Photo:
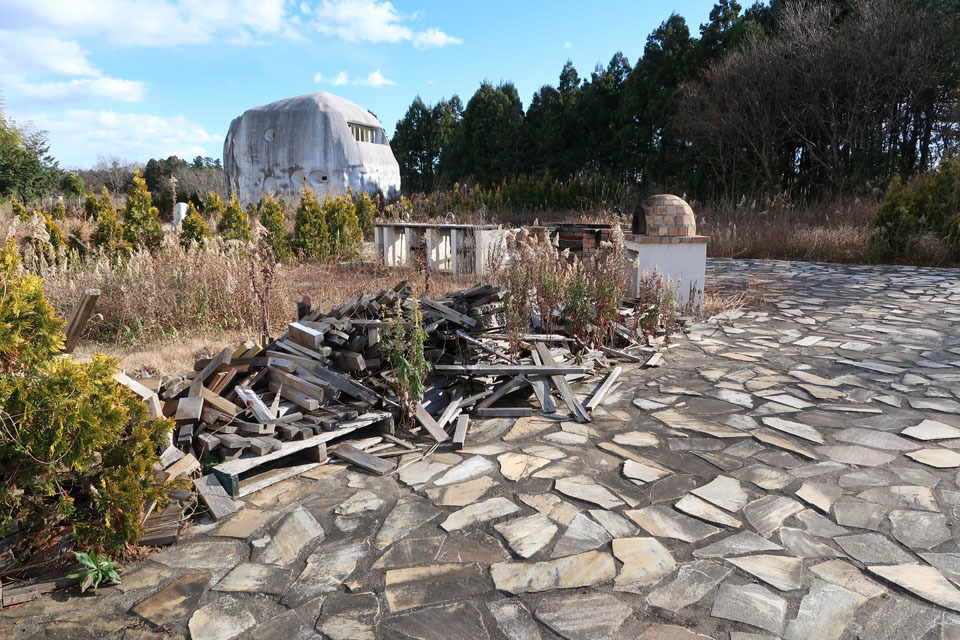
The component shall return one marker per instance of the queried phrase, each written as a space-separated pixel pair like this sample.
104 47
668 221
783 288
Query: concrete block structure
316 141
447 248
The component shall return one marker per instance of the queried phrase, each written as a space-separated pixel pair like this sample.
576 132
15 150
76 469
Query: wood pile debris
256 415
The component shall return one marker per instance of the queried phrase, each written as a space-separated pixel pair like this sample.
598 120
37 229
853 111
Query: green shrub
272 219
54 231
214 207
76 448
346 238
141 220
366 211
929 206
19 210
91 206
234 224
403 347
109 236
193 228
310 236
59 212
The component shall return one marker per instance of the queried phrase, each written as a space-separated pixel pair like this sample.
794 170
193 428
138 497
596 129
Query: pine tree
366 211
19 210
108 236
310 235
91 206
59 212
234 224
346 239
141 220
194 228
214 207
272 219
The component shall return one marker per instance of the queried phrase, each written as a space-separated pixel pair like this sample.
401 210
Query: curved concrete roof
326 102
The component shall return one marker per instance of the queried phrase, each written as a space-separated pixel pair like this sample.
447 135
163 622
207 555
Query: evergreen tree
310 236
272 219
366 211
234 224
194 228
90 205
343 228
214 207
141 220
109 235
59 211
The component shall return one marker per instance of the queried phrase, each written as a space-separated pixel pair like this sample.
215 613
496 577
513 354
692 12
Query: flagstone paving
790 470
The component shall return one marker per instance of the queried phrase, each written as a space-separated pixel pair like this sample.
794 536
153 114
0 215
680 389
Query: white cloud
22 53
100 88
375 79
77 137
374 21
434 38
342 78
318 78
568 45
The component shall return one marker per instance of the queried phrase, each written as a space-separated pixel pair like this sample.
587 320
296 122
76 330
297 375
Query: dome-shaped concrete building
317 141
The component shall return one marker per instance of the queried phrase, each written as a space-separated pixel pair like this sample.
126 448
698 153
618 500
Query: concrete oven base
681 259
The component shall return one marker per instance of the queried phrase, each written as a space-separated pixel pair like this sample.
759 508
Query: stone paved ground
789 472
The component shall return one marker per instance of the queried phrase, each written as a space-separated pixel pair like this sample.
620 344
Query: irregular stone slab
947 563
825 612
421 472
844 574
926 582
899 617
544 451
819 495
528 427
732 396
615 524
693 582
645 560
245 523
583 534
326 569
582 570
677 420
863 515
817 525
410 552
289 625
551 506
637 439
460 495
588 616
778 440
419 586
670 632
472 467
222 619
514 620
931 430
916 476
765 477
937 458
903 496
482 511
768 513
797 429
212 555
474 546
527 535
865 478
514 466
694 506
462 620
751 604
409 514
854 454
782 572
919 529
873 548
725 492
737 544
566 438
648 405
255 578
174 602
662 521
296 531
943 406
802 545
875 439
583 488
641 472
342 628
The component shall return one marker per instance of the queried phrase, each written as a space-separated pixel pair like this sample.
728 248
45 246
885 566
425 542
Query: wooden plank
189 410
79 318
460 434
623 355
541 388
504 412
562 386
263 480
229 472
451 411
213 495
547 369
504 389
297 398
484 347
182 467
345 384
253 402
602 389
447 312
425 419
298 384
222 358
654 360
219 403
364 460
206 442
306 336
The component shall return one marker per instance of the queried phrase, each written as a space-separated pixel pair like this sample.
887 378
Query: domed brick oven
664 237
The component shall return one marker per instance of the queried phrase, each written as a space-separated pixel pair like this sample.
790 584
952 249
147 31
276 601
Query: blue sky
137 79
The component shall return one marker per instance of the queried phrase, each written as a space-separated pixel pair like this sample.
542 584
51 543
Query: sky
141 79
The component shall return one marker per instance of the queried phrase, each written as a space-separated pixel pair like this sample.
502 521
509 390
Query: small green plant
214 207
343 228
141 220
234 224
403 345
272 219
96 569
194 228
366 210
311 238
59 211
109 234
19 210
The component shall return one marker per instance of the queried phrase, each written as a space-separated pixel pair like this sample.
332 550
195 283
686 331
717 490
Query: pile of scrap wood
258 415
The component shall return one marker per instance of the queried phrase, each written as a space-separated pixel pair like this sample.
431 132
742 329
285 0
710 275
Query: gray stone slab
902 496
751 604
662 521
873 548
825 612
645 561
255 578
898 617
326 569
693 582
862 515
408 515
588 616
802 545
295 532
815 524
768 513
724 492
926 582
735 545
514 620
583 534
527 535
583 488
781 572
222 619
482 511
462 620
919 529
433 584
875 439
581 570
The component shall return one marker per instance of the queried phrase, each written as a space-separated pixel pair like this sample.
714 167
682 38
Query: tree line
808 98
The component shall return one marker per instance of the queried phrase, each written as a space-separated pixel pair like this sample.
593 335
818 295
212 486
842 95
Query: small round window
298 178
270 185
268 135
318 178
